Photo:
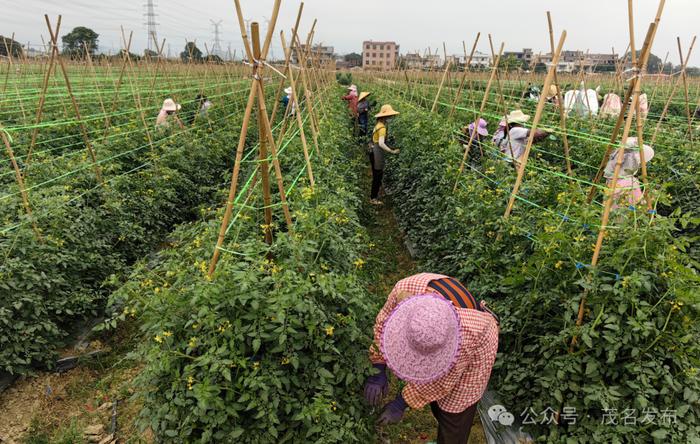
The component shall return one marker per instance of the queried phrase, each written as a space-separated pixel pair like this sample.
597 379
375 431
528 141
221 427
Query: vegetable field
216 278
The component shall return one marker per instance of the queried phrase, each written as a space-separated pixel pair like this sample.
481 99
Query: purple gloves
376 386
393 412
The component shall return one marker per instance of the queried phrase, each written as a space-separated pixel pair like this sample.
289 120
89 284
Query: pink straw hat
421 338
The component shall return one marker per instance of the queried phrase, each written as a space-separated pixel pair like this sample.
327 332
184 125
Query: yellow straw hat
553 91
387 111
363 95
516 116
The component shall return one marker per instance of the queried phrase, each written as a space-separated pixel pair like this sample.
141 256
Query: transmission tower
216 50
151 24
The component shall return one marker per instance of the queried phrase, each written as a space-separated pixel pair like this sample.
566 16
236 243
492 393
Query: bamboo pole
538 114
42 98
684 77
20 183
83 128
560 100
300 124
478 115
287 58
458 95
442 82
88 58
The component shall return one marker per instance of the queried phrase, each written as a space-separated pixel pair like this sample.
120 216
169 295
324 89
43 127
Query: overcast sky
595 25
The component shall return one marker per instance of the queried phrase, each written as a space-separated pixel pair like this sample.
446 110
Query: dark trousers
453 428
377 176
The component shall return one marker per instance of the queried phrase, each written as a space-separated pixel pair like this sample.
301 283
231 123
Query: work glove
376 386
393 412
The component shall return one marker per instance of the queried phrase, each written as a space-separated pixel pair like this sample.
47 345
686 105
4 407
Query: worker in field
476 149
612 105
553 95
287 100
201 108
168 114
363 107
351 97
377 150
511 138
442 342
628 190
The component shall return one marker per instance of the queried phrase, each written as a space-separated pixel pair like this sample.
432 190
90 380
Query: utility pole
216 50
151 24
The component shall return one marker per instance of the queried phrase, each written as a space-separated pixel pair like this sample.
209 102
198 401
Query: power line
216 50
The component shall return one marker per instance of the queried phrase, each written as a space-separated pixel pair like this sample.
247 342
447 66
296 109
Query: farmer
552 95
202 104
363 107
531 92
512 137
377 149
482 131
612 105
287 99
442 343
351 98
168 110
628 187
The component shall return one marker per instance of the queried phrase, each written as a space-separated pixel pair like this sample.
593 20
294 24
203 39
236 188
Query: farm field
179 272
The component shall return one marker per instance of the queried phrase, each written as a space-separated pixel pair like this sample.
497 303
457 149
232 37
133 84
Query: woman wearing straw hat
612 105
628 186
438 339
363 112
377 149
512 139
168 109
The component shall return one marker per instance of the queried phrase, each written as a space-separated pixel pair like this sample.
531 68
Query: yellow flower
158 339
329 330
550 228
558 265
371 245
193 342
156 290
167 334
359 263
256 365
190 381
285 360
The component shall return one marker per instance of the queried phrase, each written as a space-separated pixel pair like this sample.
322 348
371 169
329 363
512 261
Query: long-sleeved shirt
466 382
352 102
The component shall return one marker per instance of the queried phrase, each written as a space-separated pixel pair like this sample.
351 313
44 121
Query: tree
149 54
654 64
75 41
353 59
509 63
6 43
191 52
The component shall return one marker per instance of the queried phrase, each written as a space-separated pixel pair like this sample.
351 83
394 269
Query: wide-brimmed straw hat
387 111
516 116
170 105
553 91
363 95
288 90
633 144
481 129
421 338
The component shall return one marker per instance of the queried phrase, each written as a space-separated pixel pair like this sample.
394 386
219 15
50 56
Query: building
412 61
480 60
525 56
379 55
325 53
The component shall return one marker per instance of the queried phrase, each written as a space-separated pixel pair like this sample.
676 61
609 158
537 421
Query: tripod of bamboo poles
560 100
635 88
20 182
484 100
257 56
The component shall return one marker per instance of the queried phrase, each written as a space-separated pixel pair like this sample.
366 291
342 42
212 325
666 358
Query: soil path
393 262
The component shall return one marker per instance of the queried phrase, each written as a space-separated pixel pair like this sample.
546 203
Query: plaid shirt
464 385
